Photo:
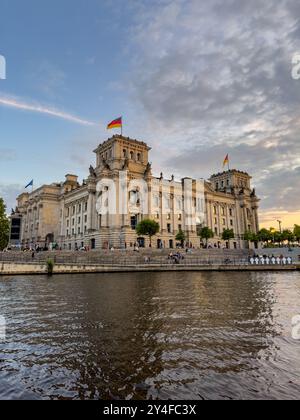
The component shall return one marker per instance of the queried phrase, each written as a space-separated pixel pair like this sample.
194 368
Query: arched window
124 153
131 155
139 157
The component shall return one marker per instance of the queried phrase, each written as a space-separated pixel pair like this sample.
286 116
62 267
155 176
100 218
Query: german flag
115 124
226 161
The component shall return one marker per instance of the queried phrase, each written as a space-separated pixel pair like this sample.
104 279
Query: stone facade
68 213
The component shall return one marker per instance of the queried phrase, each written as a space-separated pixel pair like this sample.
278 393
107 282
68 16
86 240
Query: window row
76 209
223 211
78 221
129 154
73 231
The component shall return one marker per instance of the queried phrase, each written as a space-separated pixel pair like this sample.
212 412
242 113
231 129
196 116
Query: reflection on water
154 336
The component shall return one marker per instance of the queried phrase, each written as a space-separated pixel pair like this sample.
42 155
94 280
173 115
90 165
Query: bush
50 266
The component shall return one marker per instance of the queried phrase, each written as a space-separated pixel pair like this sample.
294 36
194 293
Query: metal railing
120 260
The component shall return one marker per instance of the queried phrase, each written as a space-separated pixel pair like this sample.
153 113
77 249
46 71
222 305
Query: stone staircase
129 257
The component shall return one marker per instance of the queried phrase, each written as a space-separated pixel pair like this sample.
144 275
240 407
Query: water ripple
170 336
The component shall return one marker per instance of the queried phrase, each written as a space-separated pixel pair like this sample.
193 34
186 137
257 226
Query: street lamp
273 231
280 223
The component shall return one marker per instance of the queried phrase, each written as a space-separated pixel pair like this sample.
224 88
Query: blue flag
30 184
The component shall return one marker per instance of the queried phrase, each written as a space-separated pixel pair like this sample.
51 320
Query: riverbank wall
33 268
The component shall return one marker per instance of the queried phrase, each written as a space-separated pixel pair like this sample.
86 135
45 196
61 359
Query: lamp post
273 231
280 224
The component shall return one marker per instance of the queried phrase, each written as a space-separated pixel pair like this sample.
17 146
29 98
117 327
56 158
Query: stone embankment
14 263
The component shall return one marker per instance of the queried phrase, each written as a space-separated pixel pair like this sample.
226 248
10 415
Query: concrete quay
34 268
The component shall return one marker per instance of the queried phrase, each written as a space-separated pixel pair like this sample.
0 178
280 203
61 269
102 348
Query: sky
195 80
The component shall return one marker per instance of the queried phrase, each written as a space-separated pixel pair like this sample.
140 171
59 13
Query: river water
150 336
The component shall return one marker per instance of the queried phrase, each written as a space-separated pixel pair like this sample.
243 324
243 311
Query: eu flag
30 184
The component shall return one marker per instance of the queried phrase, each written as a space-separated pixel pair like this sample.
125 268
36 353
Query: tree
4 226
180 237
148 227
264 235
287 235
297 232
228 234
250 237
206 233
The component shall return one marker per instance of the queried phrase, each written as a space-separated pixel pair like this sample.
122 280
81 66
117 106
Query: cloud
214 78
21 105
48 79
7 154
9 192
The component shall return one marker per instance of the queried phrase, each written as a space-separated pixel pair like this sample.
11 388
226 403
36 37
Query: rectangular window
156 201
169 228
133 222
179 204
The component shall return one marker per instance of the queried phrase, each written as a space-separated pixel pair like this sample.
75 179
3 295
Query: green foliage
4 226
147 227
287 235
265 235
297 232
228 234
50 266
181 237
206 233
250 236
273 236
